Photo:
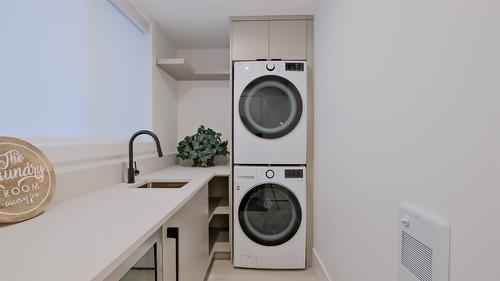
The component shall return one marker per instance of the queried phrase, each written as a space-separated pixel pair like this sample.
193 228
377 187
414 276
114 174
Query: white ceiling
199 24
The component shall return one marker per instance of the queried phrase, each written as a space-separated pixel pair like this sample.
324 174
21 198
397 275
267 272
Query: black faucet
132 171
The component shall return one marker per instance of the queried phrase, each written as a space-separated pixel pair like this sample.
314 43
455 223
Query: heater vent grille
416 257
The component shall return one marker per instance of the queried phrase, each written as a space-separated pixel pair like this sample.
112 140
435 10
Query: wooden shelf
218 206
181 70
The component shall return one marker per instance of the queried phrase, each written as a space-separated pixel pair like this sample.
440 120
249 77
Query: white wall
407 109
164 93
207 60
205 103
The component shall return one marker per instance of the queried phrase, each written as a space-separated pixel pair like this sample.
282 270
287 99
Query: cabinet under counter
84 239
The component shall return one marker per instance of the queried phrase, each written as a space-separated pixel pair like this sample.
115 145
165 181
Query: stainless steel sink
167 184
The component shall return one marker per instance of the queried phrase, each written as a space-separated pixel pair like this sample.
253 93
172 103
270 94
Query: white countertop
87 237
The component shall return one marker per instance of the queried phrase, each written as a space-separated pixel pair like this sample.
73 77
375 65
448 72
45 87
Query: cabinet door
192 222
250 40
288 39
141 265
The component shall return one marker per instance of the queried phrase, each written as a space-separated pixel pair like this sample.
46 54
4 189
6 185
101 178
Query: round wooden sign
27 180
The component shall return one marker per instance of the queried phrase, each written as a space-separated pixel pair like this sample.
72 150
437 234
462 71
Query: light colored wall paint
72 183
164 93
207 60
204 24
203 103
407 109
319 268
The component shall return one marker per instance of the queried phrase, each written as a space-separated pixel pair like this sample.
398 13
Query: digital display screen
294 66
294 174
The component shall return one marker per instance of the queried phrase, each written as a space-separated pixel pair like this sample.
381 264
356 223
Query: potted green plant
202 147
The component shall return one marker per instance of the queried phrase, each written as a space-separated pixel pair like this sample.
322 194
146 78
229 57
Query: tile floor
222 270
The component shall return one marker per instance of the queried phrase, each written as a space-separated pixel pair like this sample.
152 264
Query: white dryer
269 218
270 112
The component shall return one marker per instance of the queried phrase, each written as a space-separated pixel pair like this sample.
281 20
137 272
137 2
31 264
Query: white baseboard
319 268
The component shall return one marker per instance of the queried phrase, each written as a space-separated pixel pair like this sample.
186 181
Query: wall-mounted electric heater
425 245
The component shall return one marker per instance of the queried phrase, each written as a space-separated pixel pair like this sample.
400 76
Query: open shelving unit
219 239
219 218
181 70
218 206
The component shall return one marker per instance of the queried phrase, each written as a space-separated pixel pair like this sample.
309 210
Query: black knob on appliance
270 174
270 66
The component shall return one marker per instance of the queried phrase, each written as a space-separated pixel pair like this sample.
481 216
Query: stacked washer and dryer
269 145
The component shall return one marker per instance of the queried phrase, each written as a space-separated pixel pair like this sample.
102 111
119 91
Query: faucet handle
136 172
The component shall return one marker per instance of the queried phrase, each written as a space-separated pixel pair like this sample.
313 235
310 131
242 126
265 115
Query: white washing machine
269 218
270 112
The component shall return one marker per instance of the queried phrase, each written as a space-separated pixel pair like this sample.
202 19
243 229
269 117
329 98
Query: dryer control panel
266 173
294 173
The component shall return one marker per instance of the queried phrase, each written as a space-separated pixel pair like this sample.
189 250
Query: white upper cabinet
288 39
269 39
250 40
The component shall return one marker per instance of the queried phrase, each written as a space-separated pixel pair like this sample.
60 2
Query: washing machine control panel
274 173
294 66
294 174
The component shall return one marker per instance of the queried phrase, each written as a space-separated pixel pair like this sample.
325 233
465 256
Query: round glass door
269 214
270 106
